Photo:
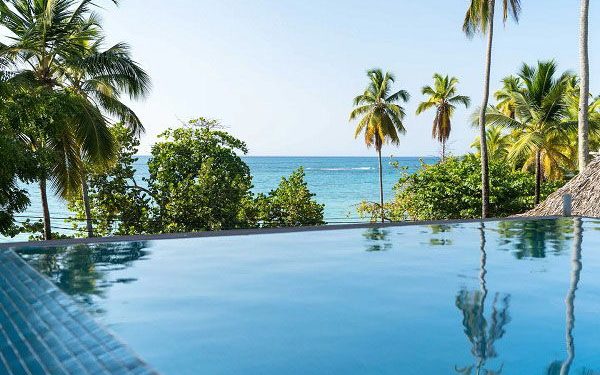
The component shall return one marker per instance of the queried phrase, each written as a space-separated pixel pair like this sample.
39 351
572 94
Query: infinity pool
516 297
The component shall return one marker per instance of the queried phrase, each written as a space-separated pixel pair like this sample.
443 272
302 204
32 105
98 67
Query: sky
281 74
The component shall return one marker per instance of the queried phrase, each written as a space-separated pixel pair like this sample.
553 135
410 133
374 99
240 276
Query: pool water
510 297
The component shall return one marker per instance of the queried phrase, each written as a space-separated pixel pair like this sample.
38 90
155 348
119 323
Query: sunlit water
516 297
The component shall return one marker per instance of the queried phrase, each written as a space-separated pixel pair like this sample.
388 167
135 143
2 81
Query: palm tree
540 130
443 97
47 38
583 127
100 78
480 18
506 103
381 118
498 143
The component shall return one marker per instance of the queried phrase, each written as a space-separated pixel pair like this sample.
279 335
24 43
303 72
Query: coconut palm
480 18
498 143
506 103
380 116
540 130
101 77
583 126
443 97
47 38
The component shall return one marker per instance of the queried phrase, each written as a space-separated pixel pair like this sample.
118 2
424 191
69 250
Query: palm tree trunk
576 266
485 177
538 176
584 87
381 186
443 150
45 209
86 207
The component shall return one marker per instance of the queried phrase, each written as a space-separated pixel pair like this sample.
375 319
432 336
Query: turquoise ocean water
338 182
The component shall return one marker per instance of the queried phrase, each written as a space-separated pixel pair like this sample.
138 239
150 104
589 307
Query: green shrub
452 190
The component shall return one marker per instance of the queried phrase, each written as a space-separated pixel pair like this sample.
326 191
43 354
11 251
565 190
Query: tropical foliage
54 51
119 205
450 190
540 123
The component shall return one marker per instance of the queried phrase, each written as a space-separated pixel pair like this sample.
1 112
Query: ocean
340 183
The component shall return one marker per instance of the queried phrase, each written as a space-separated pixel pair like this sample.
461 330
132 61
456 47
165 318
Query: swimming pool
521 297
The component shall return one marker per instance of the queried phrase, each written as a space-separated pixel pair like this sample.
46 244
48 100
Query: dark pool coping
259 231
44 331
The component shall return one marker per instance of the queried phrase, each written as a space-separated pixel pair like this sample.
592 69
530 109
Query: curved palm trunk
485 177
570 300
538 176
381 186
584 87
45 209
86 207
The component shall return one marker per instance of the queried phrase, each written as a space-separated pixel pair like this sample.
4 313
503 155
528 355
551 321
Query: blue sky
281 74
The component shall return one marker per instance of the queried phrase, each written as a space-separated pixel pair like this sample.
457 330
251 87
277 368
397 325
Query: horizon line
331 156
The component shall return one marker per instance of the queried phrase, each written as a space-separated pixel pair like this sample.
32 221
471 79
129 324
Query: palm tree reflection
81 271
481 333
558 367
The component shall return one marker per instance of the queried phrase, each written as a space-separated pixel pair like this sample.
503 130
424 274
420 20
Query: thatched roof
585 191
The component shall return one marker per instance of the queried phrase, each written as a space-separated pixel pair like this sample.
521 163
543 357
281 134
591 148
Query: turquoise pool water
516 297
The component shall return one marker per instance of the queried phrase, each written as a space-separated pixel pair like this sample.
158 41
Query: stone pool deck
43 331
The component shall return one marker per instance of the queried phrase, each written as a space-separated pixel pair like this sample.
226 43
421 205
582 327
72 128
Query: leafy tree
442 96
450 190
119 205
381 118
291 204
480 18
197 180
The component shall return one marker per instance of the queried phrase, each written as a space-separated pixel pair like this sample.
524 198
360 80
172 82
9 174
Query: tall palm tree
46 37
101 77
380 116
583 127
443 97
480 18
541 133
